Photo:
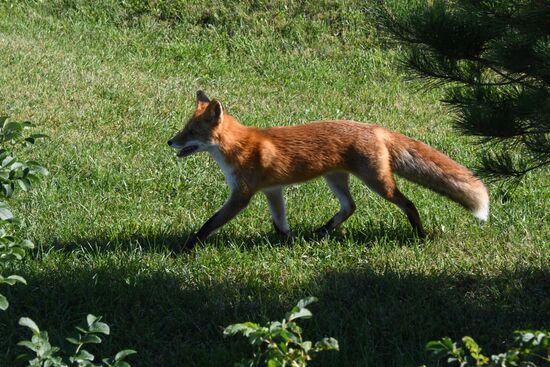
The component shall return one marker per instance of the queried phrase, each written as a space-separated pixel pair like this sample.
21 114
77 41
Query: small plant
14 174
529 349
46 355
280 343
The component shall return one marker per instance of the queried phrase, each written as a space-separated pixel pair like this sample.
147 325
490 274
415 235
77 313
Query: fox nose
170 142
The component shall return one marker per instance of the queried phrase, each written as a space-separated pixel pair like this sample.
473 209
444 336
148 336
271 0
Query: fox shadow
177 319
172 242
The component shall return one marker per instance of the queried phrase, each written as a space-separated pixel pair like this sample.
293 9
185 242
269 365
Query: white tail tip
482 213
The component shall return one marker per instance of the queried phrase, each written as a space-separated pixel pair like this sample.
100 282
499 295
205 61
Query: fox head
199 133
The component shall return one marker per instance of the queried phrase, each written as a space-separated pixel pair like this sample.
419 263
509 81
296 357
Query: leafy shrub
14 174
280 343
46 355
528 349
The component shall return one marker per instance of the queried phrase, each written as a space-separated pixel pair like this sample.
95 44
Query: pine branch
496 57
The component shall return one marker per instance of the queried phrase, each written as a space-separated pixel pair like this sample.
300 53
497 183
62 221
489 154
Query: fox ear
202 97
214 111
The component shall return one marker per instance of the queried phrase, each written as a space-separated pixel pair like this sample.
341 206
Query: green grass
111 83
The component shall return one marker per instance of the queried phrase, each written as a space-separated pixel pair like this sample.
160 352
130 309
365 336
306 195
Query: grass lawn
111 81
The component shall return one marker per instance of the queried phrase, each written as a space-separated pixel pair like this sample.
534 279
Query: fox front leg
233 206
276 203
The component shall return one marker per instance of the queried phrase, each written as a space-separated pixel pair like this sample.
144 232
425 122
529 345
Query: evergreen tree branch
496 57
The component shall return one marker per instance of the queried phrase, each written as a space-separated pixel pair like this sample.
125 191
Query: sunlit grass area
110 82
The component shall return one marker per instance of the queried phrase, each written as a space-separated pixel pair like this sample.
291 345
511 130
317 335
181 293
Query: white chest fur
226 168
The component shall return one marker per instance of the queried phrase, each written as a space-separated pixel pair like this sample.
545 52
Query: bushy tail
428 167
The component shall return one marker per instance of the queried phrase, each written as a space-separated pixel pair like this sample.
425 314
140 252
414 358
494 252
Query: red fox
266 160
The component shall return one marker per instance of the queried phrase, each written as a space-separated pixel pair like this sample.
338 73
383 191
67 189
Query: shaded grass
111 83
173 310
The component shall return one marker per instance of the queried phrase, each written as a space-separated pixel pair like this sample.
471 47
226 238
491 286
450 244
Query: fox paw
188 245
322 231
287 235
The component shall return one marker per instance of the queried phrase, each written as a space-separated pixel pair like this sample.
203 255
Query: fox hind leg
385 187
410 210
276 203
339 185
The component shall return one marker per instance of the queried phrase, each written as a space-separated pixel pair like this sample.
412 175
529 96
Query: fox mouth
187 151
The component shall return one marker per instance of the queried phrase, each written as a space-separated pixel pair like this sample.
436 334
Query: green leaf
124 353
24 184
25 321
27 344
8 161
282 334
244 328
303 313
5 213
90 339
4 304
526 337
7 190
100 327
294 327
14 167
17 279
83 355
306 301
73 341
257 337
12 279
12 130
275 326
327 344
475 350
90 319
36 167
27 244
3 121
4 173
306 346
445 344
